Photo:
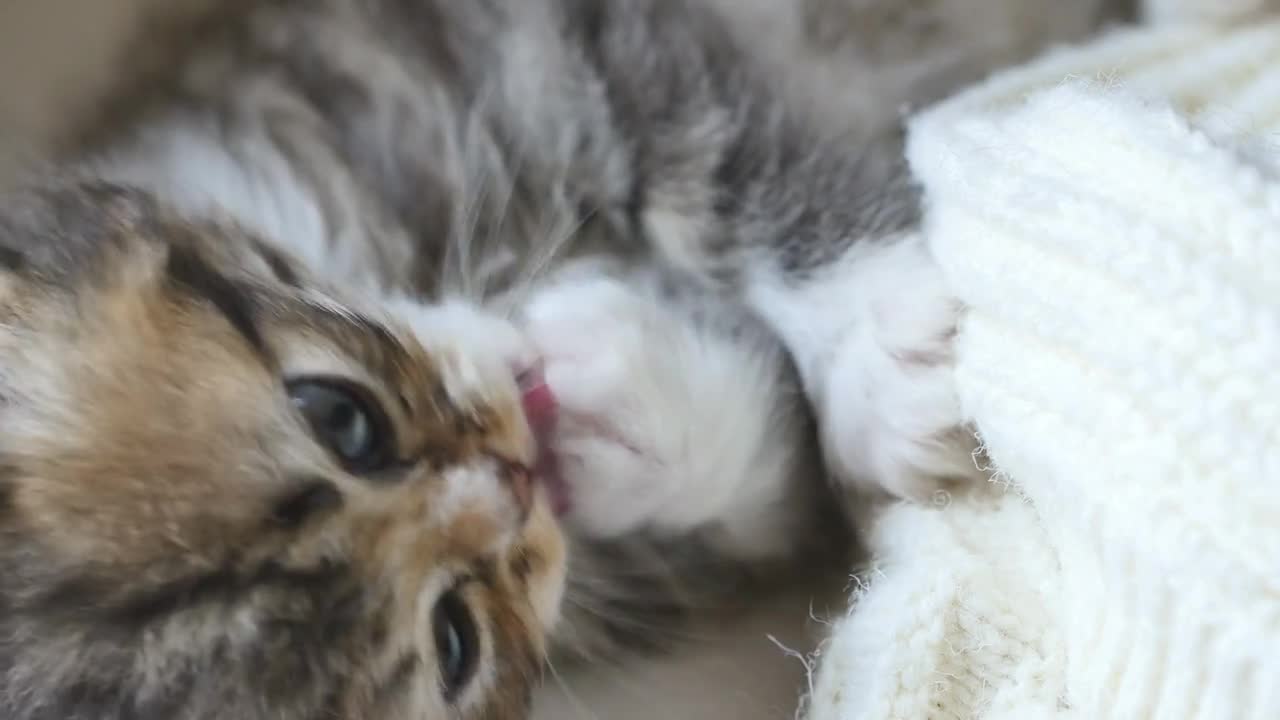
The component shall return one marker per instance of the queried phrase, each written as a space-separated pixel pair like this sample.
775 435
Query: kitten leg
814 232
828 253
870 329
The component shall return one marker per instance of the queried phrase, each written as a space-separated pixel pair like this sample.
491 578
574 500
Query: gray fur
439 134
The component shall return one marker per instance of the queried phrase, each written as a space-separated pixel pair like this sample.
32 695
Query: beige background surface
55 52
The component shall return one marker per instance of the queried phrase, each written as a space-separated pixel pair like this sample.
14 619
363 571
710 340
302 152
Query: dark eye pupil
451 651
350 430
340 421
456 640
340 416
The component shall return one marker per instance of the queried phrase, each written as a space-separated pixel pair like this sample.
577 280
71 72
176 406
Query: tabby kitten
327 279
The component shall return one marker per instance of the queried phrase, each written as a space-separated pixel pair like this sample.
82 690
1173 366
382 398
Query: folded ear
60 229
71 267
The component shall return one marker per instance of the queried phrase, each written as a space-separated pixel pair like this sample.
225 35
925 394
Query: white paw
890 418
889 412
872 336
665 426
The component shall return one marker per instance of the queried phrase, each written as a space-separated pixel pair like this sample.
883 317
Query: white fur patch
479 352
474 487
664 426
243 176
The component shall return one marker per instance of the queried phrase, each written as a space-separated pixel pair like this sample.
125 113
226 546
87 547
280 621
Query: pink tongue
542 409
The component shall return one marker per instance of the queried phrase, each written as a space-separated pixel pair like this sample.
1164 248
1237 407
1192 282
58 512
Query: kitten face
224 493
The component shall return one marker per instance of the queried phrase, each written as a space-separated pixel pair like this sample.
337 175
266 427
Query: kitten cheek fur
173 541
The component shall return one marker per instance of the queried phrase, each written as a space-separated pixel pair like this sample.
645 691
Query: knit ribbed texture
1111 215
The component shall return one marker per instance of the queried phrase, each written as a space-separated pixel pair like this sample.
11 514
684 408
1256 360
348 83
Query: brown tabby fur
174 543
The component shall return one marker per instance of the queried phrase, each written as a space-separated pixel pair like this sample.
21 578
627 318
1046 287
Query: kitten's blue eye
345 421
457 643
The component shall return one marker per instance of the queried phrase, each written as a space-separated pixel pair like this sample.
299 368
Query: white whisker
526 282
579 707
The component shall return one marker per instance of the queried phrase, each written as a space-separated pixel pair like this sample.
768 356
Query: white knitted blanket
1111 215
